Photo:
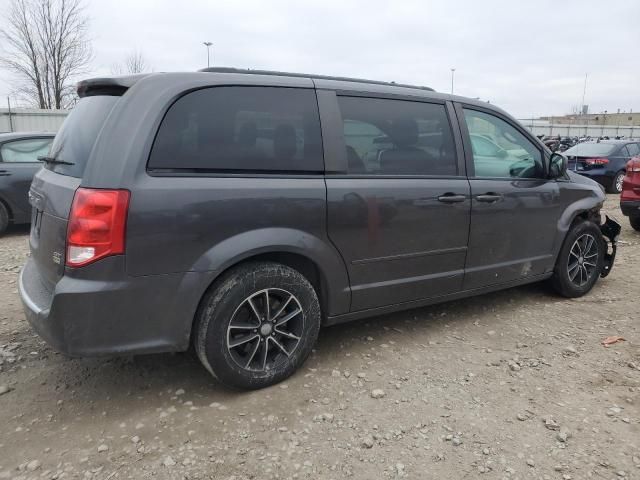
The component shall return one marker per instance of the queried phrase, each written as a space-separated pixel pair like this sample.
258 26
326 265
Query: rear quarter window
235 129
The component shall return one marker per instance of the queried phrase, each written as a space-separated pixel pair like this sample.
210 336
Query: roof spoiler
113 86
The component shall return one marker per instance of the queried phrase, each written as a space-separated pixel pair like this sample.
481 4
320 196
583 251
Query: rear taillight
633 165
97 225
596 161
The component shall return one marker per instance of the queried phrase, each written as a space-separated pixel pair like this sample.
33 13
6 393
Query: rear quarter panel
207 224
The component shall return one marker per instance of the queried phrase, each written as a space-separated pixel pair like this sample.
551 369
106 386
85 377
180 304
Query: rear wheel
4 219
580 261
257 325
635 222
616 183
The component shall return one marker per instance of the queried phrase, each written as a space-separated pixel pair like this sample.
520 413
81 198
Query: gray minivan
238 211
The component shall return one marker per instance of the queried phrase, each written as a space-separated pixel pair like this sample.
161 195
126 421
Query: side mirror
557 165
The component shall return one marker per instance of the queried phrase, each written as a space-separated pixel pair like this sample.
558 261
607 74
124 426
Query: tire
4 219
235 304
635 223
616 183
588 267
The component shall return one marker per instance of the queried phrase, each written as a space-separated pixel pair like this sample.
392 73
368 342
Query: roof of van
312 76
119 84
225 75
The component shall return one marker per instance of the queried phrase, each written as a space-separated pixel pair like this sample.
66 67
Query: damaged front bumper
611 230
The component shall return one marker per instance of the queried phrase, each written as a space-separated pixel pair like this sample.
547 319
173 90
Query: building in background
623 119
31 120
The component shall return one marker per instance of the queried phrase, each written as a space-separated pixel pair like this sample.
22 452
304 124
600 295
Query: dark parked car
604 161
239 211
630 198
19 154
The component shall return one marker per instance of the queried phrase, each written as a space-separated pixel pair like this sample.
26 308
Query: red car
630 198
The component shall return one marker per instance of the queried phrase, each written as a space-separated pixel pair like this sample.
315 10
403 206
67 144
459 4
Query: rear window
591 149
230 129
75 139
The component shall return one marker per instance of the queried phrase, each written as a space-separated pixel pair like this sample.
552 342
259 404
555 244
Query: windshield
591 150
75 139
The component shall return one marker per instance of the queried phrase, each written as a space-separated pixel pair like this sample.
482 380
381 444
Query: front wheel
257 325
580 261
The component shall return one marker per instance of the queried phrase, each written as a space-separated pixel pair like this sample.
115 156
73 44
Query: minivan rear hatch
54 186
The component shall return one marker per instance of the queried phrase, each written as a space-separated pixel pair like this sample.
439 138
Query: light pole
453 70
208 45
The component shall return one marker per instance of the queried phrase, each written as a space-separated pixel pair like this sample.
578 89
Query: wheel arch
313 257
585 209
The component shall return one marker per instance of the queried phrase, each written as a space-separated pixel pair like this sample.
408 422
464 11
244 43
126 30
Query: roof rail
307 75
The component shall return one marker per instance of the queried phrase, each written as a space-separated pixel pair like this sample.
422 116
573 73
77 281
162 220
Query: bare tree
45 44
134 63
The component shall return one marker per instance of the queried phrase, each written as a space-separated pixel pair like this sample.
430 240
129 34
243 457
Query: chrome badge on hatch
57 258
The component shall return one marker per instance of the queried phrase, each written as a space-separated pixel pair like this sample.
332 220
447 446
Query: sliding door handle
451 198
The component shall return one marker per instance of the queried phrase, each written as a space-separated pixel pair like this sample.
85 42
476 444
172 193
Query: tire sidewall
561 275
4 219
223 302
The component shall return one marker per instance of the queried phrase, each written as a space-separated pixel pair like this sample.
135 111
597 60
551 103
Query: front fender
588 205
251 243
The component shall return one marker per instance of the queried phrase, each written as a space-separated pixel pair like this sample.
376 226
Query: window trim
340 142
225 173
466 138
7 142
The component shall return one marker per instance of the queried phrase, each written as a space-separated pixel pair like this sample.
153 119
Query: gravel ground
511 385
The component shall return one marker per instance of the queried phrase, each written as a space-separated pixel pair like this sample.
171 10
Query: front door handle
451 198
489 197
4 173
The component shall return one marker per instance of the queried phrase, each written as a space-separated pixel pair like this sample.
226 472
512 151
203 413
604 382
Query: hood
582 180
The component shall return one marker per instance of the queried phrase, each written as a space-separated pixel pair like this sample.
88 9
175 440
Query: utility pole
584 93
453 70
208 45
10 118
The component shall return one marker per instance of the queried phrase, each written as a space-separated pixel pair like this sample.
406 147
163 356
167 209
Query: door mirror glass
557 165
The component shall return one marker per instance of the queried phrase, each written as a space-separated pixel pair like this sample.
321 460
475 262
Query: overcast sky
528 57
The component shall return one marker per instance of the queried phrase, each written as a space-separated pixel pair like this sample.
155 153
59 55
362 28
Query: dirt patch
514 384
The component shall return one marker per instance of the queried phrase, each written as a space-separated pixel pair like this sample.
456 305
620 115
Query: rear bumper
630 208
95 316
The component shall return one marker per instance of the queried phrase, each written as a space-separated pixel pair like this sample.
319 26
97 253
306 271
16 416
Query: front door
515 209
18 164
399 214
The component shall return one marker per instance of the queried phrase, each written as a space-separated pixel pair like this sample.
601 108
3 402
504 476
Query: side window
623 152
261 129
500 150
25 151
634 149
397 137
